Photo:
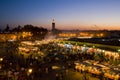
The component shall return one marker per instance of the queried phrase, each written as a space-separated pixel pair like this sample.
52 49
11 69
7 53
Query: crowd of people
17 66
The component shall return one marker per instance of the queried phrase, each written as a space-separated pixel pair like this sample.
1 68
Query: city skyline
68 14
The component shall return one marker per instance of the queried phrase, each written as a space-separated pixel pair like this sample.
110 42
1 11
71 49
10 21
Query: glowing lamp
1 59
30 70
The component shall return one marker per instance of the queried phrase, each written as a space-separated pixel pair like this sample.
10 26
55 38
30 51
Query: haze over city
68 14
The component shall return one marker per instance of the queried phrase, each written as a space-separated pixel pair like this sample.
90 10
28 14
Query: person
57 77
46 70
61 76
10 76
84 76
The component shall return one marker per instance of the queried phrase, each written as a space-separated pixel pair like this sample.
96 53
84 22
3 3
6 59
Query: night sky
68 14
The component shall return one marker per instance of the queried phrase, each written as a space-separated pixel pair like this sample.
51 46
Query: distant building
54 31
7 36
74 33
53 25
15 36
81 34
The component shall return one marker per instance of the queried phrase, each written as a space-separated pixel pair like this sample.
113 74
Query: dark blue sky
68 14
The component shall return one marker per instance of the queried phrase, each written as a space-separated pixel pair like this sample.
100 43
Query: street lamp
84 45
118 50
30 70
29 73
1 59
103 51
93 46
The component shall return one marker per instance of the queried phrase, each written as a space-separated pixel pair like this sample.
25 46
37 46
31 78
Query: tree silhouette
19 28
16 29
7 28
37 32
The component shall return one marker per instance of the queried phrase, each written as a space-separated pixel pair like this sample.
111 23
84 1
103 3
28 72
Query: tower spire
53 20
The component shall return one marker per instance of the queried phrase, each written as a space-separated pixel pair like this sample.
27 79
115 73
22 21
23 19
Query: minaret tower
53 25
